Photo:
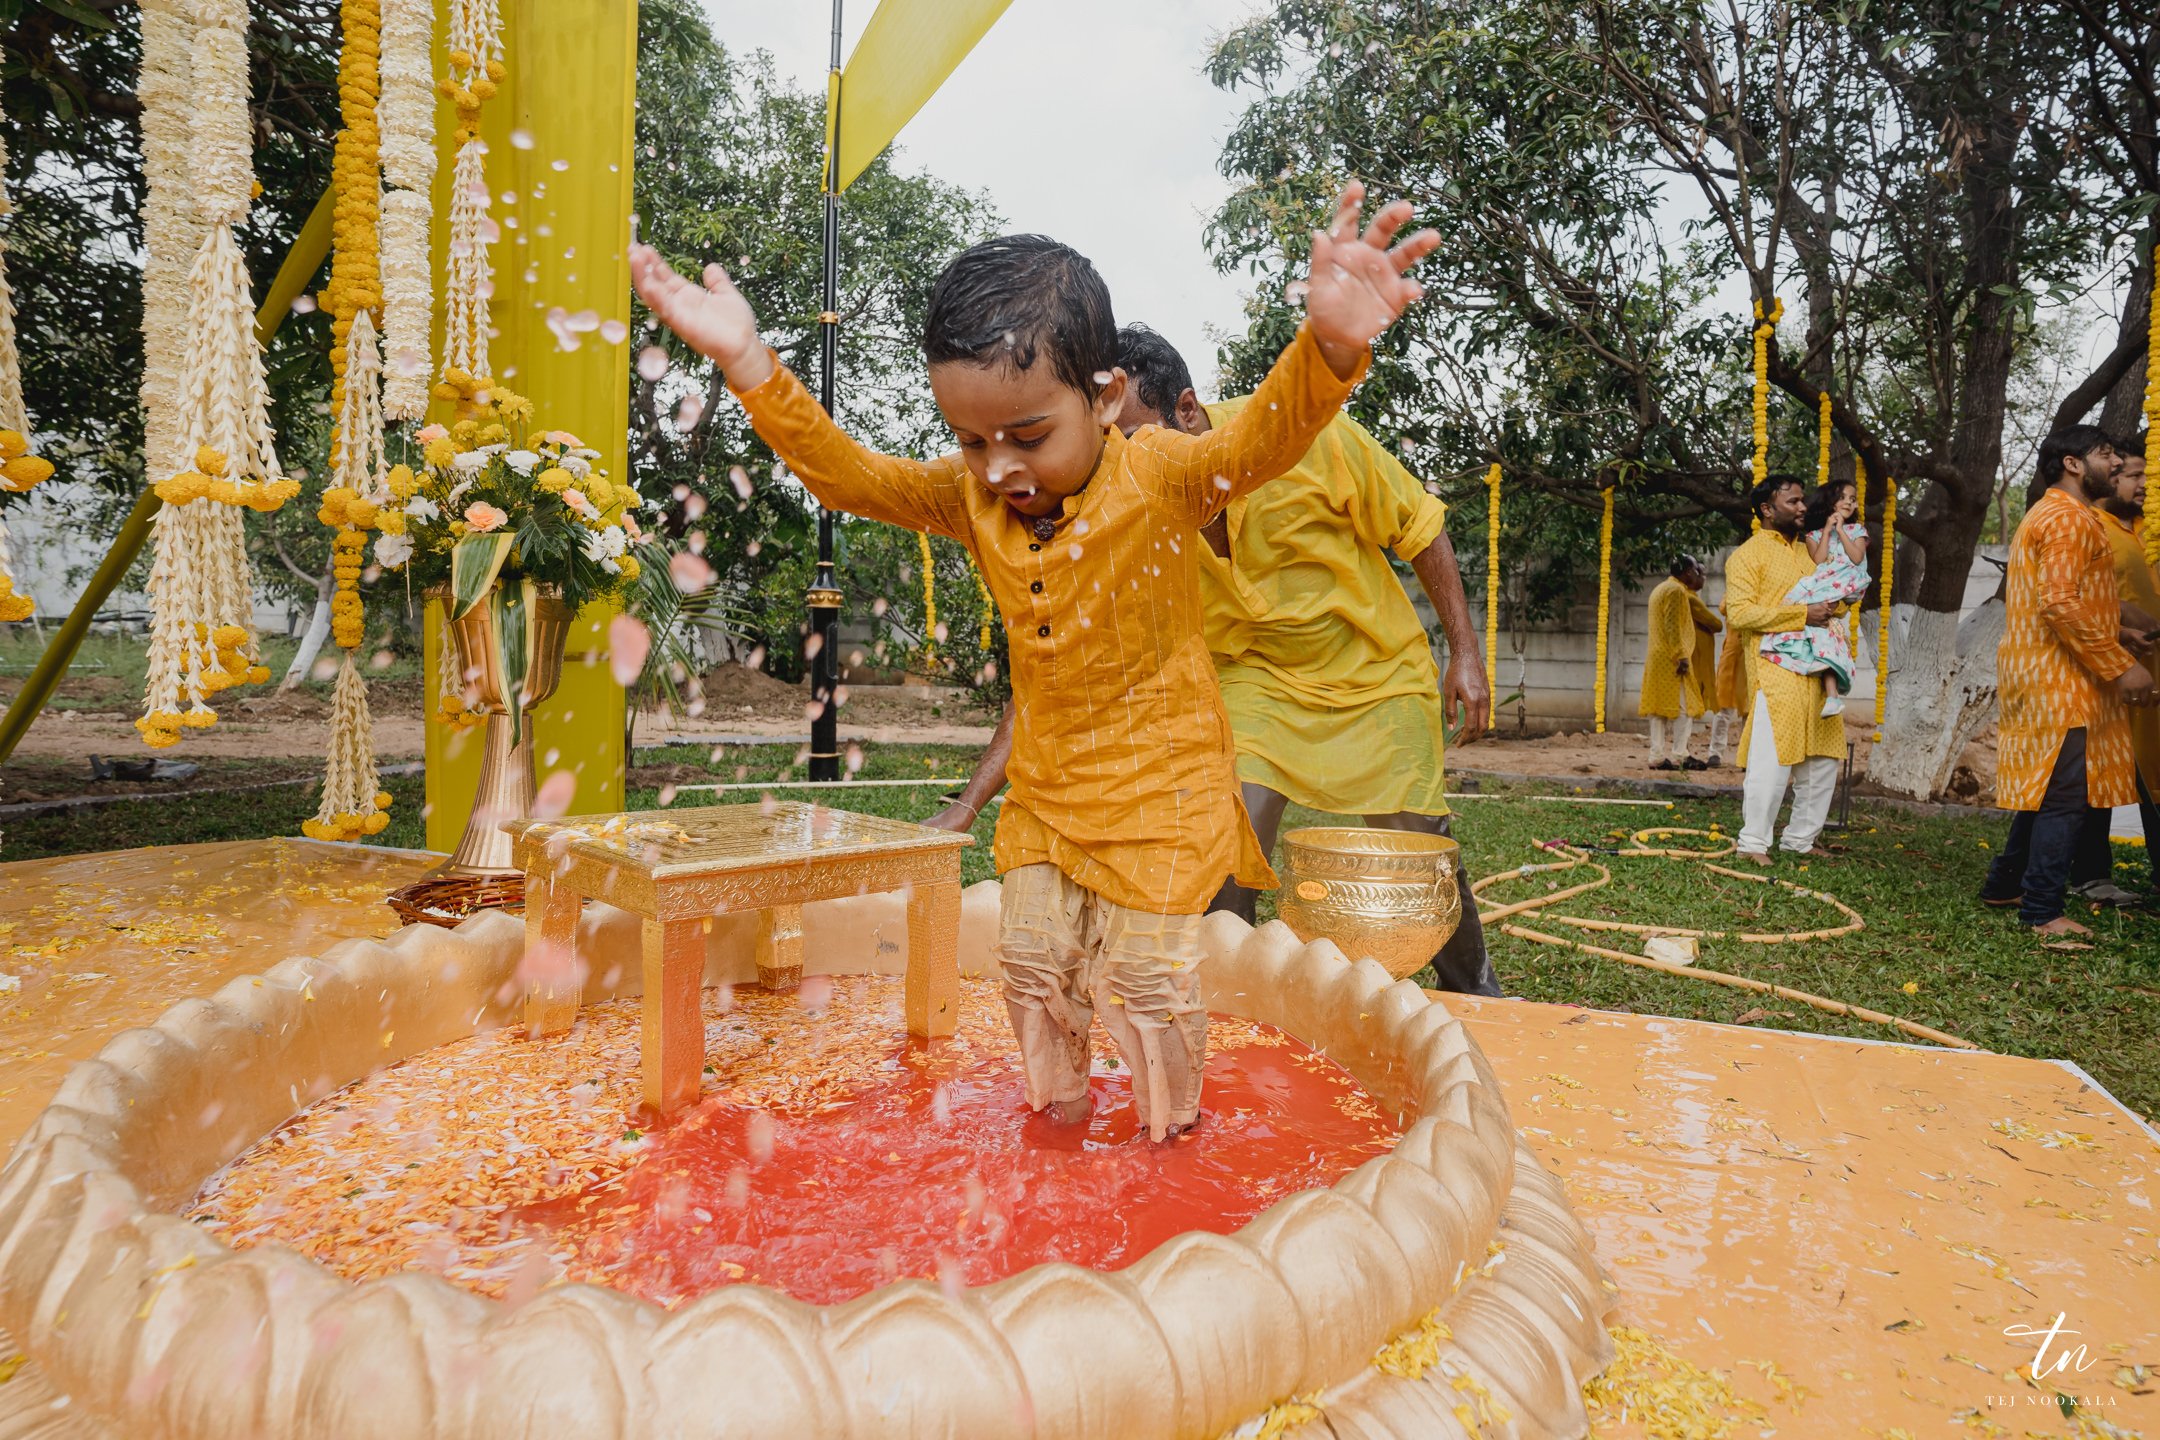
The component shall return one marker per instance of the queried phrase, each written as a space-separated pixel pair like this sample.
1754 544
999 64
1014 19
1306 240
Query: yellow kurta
1701 689
2137 583
1672 640
1758 577
1121 767
1326 672
2058 657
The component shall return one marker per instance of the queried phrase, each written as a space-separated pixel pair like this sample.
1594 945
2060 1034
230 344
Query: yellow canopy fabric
906 52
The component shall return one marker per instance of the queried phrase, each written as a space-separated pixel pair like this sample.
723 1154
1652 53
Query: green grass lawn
1912 879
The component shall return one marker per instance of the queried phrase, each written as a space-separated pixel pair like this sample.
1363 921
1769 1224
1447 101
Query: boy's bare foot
1755 855
2060 926
1174 1131
1070 1112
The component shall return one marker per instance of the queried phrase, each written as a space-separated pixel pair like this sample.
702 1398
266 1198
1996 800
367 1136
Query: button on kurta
1042 630
1036 587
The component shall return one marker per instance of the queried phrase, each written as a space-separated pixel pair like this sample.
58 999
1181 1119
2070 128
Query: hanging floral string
406 122
2152 420
929 600
172 227
1882 604
1492 595
1859 475
476 70
352 803
19 469
1604 602
201 589
989 609
1765 327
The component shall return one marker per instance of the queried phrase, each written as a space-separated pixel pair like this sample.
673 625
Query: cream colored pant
1063 947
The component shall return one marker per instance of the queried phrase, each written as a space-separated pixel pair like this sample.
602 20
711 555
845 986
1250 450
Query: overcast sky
1091 123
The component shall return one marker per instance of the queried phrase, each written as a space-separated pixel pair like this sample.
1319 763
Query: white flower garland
476 68
172 231
202 639
406 115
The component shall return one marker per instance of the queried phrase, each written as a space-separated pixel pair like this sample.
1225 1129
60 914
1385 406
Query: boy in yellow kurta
1705 669
1786 735
1326 671
1123 817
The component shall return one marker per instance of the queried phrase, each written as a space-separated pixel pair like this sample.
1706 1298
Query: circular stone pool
1431 1290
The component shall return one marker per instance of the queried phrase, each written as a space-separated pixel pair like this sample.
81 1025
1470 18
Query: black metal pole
824 596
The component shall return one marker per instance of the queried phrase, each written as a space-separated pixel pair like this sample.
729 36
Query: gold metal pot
1390 894
505 791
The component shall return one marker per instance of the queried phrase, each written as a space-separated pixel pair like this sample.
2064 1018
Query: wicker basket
450 900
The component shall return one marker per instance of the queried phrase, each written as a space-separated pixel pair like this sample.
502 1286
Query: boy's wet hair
1019 298
1155 369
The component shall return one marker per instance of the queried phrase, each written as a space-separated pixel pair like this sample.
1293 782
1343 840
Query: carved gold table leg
551 920
674 1030
933 959
779 947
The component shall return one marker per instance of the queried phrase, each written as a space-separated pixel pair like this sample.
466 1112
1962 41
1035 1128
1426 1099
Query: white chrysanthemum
392 551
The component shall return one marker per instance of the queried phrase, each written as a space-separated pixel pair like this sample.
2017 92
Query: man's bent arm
988 779
1464 683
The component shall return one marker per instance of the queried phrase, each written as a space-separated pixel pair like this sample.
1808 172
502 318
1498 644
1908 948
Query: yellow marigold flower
403 482
12 443
258 674
209 460
514 407
494 435
555 480
440 453
384 800
199 719
16 607
630 568
598 490
375 824
24 471
228 637
390 522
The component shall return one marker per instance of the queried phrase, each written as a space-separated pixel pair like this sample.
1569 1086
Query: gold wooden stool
676 869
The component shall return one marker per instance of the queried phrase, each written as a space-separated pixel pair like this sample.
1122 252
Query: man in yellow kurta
1124 817
1326 671
2062 677
2137 585
1786 736
1675 669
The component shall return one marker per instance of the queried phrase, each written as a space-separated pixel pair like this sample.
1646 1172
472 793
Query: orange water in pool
827 1156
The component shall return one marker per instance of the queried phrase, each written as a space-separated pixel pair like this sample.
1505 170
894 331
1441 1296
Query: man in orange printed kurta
2063 678
1124 817
2137 585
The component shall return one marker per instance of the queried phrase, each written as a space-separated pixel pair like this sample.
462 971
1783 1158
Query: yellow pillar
558 165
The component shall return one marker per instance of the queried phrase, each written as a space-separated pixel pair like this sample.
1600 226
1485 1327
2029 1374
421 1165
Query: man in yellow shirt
2123 517
1675 668
1786 736
1325 669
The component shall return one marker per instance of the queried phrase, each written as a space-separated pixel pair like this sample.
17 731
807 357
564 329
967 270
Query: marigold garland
989 609
476 70
202 592
1859 475
350 505
19 469
1604 602
1765 327
2152 421
1492 594
1882 609
929 600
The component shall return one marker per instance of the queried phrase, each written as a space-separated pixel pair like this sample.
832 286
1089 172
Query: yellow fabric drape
908 50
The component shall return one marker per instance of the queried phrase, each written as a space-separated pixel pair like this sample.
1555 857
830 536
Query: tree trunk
1942 692
311 643
2122 413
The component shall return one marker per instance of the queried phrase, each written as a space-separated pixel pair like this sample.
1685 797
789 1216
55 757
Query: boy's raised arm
1357 287
717 322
